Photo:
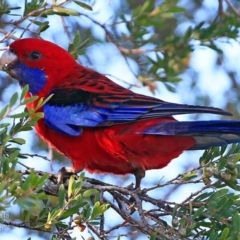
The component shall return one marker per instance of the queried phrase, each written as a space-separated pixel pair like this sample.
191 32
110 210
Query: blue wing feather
88 109
70 119
206 133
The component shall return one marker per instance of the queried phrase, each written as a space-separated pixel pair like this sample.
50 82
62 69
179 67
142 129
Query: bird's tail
206 133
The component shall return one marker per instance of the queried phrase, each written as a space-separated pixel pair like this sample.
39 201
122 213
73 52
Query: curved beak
6 59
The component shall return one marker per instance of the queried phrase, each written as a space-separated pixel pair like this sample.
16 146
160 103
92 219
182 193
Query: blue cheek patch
35 78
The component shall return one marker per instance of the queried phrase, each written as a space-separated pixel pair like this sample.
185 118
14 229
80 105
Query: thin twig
235 10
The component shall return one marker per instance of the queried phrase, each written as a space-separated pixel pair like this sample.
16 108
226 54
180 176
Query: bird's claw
63 173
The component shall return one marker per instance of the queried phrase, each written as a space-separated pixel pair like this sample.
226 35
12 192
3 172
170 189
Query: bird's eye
11 50
35 55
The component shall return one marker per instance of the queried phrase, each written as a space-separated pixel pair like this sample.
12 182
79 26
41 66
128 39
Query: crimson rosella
101 126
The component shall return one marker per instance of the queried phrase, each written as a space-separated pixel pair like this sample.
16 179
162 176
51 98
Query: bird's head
40 64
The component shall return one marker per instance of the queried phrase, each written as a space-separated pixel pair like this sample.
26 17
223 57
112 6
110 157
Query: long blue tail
206 133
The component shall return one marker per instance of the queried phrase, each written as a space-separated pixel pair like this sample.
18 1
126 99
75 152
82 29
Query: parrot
101 126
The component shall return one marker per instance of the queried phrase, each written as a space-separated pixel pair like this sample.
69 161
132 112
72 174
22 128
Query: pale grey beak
6 58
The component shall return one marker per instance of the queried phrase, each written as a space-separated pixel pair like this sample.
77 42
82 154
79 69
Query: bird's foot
64 173
130 187
139 174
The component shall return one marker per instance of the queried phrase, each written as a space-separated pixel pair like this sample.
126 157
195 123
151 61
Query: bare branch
235 10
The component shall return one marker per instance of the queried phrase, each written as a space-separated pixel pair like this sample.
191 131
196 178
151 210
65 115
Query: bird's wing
93 100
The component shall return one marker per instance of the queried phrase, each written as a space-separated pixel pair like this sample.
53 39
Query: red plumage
117 149
112 147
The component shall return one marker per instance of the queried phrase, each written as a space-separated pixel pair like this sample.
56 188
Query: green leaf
18 115
25 203
222 163
44 26
73 210
3 111
234 149
37 116
86 211
153 236
233 185
4 125
98 209
5 140
218 194
175 210
18 141
66 11
190 228
223 149
13 99
61 196
189 175
77 47
24 92
42 101
175 9
198 212
77 39
56 213
224 234
70 186
213 235
33 5
88 193
45 210
95 222
29 100
83 5
26 128
236 222
29 182
236 158
11 159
